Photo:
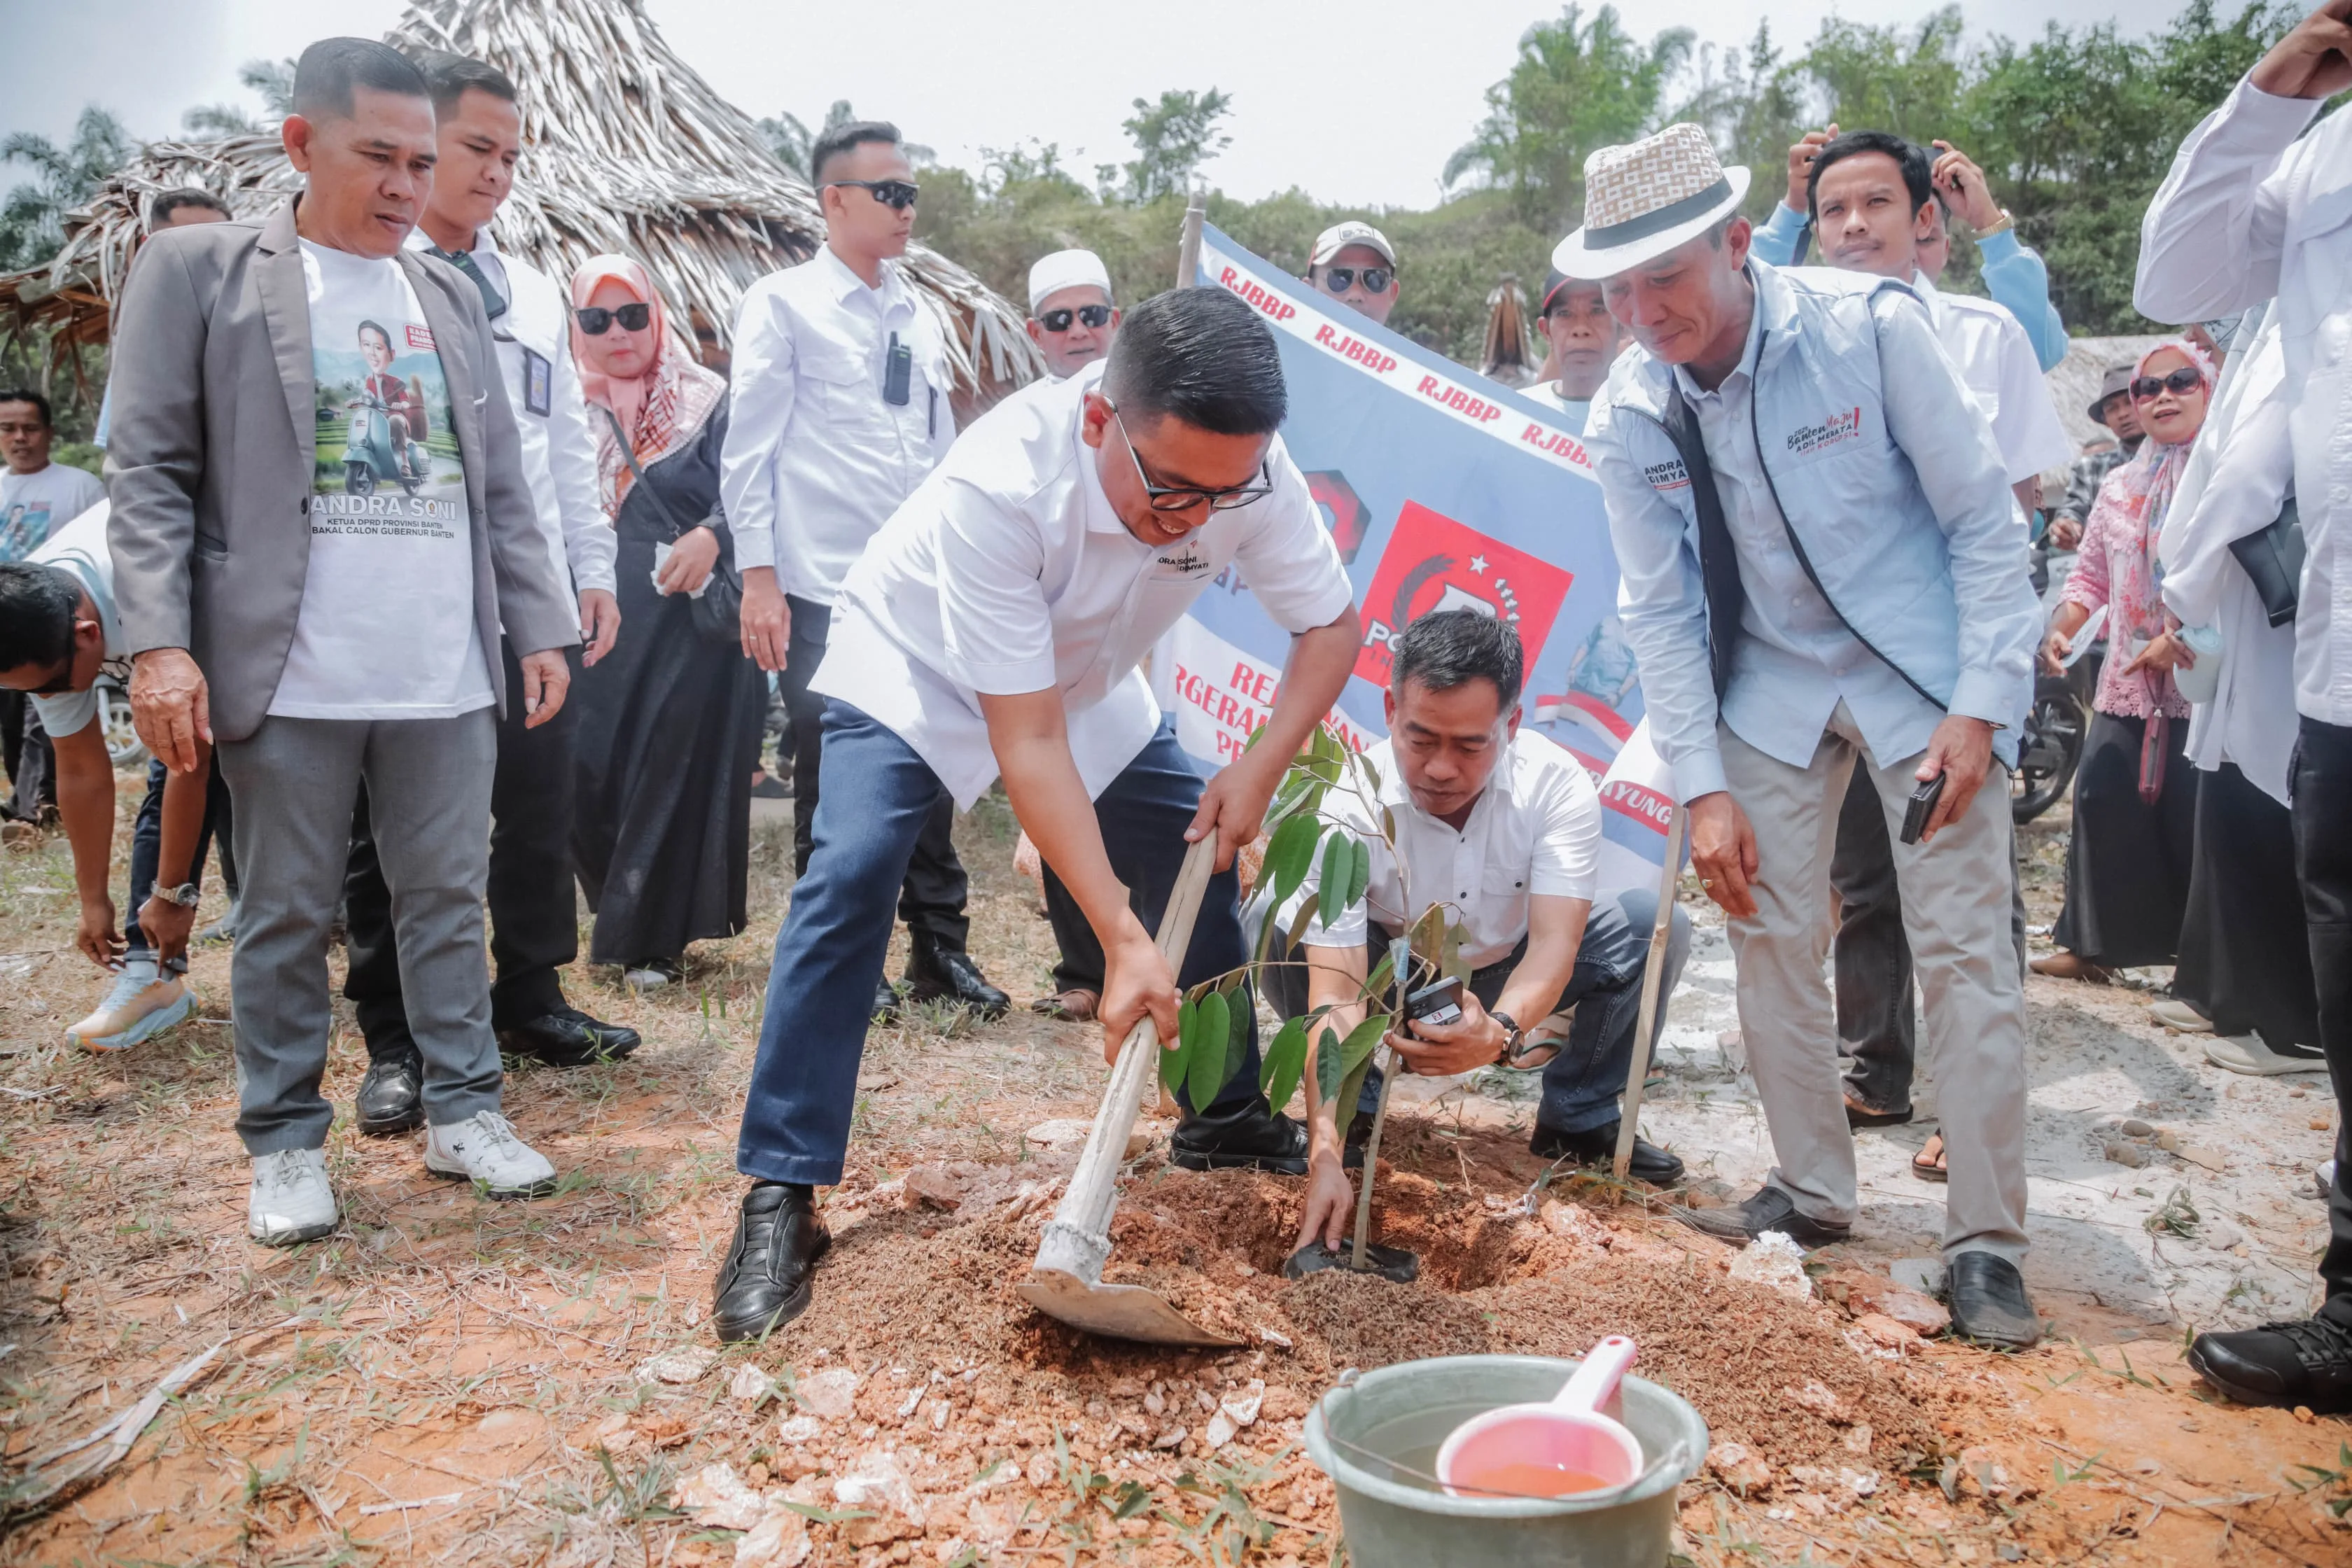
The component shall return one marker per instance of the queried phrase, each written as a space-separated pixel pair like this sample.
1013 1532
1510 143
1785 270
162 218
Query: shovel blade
1119 1312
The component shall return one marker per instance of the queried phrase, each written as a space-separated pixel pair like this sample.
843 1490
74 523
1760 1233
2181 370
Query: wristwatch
185 895
1512 1036
2006 222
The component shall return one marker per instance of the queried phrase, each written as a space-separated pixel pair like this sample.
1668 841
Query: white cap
1340 235
1066 270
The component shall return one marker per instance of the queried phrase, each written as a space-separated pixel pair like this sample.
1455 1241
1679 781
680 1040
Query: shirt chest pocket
839 380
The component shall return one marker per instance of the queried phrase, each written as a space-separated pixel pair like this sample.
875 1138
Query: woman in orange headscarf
671 718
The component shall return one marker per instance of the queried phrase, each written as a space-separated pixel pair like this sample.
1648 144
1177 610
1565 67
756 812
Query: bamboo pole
1188 251
1652 979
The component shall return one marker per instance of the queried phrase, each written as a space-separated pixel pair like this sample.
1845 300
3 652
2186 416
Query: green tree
33 214
1576 85
272 80
1173 139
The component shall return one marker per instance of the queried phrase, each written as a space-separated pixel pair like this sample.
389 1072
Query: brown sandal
1929 1163
1072 1007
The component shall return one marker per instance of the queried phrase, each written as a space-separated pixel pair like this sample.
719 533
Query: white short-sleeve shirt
1998 365
1007 572
1535 830
78 550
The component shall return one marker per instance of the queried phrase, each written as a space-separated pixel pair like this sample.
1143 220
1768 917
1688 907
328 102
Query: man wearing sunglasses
840 408
1354 263
1504 827
1071 318
996 627
534 925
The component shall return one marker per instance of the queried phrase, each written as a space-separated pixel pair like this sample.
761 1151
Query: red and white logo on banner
1433 563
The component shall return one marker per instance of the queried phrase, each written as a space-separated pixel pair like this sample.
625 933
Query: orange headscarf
661 409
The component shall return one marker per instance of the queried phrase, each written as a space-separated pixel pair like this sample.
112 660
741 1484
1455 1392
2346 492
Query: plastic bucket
1390 1518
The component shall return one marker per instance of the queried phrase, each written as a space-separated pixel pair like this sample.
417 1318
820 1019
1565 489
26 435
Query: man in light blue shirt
2013 274
1820 570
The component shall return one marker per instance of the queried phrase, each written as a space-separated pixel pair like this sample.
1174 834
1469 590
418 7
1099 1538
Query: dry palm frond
1509 353
626 149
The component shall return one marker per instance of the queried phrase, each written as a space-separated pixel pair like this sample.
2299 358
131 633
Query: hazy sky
1355 100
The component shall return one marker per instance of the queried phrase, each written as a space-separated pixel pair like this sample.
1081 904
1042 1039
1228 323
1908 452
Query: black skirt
669 733
2245 953
2127 859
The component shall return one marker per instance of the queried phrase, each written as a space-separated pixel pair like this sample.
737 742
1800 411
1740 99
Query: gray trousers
1955 899
295 782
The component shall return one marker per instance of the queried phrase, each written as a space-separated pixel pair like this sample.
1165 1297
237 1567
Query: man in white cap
1355 263
1819 572
1071 317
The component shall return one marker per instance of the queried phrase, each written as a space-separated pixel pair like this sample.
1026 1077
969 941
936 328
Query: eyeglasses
596 321
1059 320
2181 383
1184 498
1376 279
896 195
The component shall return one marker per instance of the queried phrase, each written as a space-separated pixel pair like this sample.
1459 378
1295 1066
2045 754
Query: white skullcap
1066 270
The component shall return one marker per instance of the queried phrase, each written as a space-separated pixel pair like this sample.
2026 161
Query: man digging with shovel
995 624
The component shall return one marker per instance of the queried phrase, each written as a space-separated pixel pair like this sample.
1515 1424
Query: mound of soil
1777 1376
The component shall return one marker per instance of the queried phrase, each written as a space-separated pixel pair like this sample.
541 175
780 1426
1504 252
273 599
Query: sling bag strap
2273 560
1718 566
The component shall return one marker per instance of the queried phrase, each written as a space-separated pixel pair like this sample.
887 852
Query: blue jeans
1580 1085
876 796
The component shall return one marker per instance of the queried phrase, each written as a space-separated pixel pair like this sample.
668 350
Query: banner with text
1444 491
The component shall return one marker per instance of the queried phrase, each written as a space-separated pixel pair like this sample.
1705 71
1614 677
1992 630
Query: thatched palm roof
626 149
1510 352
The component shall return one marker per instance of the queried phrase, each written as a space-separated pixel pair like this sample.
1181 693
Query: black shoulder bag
719 609
2274 560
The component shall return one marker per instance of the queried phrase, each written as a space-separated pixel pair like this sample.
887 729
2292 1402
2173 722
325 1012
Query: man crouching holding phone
1501 828
995 624
1819 573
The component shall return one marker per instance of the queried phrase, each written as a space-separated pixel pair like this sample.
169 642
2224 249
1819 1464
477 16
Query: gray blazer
214 445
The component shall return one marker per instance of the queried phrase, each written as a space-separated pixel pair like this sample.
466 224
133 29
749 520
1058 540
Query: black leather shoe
1360 1136
2308 1362
1859 1116
1254 1138
391 1097
885 1002
1989 1306
1599 1147
568 1038
936 973
766 1281
1769 1209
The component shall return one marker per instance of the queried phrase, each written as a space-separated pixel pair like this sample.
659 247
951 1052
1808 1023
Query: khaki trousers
1956 910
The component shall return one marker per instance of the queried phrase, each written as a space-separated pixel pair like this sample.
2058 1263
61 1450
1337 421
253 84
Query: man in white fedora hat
1072 317
1819 573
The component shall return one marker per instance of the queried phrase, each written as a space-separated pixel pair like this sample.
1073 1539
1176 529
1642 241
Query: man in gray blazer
320 526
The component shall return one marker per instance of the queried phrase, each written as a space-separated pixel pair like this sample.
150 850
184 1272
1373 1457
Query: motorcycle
369 455
2051 748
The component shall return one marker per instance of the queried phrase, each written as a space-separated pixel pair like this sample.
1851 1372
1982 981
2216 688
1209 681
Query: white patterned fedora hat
1646 197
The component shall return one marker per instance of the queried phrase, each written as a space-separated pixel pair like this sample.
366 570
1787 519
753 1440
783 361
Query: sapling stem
1372 1161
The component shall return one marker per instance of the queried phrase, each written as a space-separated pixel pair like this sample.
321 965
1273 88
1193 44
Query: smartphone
898 373
1440 1004
1922 807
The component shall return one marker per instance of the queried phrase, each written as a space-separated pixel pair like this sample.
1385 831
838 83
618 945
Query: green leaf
1133 1497
1285 1064
1359 872
1361 1039
1288 854
1299 922
1172 1063
1328 1071
1338 868
1370 771
1378 980
1205 1074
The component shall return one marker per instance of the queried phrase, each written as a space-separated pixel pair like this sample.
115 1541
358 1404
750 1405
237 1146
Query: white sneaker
143 1001
291 1201
2175 1014
2248 1055
483 1149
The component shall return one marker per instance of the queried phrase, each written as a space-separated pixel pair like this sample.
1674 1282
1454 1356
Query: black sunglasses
596 321
2183 381
1059 320
896 195
1376 279
1184 498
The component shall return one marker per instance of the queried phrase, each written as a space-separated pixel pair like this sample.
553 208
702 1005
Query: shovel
1066 1281
1652 975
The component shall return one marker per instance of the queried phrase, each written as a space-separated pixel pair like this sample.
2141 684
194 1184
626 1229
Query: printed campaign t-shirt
1577 409
34 506
386 628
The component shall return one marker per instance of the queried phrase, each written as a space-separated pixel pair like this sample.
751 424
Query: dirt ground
450 1379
